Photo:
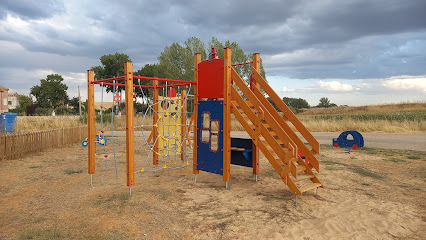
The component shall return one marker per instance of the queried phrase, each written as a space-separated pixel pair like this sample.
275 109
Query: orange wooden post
197 60
130 138
227 117
91 122
183 124
255 151
154 122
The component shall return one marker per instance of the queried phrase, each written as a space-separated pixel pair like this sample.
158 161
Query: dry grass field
383 108
392 118
368 194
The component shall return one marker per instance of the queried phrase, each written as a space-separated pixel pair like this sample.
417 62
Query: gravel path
401 141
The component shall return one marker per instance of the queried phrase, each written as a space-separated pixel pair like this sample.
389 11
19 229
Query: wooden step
301 168
309 187
303 177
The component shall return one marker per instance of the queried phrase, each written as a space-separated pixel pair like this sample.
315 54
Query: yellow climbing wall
169 129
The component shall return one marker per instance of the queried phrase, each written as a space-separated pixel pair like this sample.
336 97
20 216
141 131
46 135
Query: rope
102 132
112 134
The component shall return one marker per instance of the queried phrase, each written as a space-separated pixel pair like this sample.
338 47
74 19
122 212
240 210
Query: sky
354 52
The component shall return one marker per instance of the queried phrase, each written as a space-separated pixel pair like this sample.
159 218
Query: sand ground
368 194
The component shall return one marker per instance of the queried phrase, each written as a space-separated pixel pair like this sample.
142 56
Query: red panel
171 92
210 79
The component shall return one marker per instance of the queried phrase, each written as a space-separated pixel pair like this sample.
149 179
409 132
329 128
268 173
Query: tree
51 93
149 70
74 103
296 103
325 103
238 56
112 66
273 104
194 45
24 102
174 62
177 61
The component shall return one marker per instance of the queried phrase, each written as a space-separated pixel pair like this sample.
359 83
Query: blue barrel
7 122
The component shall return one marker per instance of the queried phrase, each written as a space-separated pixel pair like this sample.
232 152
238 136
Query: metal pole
79 101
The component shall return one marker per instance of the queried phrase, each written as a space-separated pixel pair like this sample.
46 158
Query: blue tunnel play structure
349 139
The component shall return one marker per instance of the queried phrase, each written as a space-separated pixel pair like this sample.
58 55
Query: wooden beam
255 153
91 119
227 115
130 131
197 60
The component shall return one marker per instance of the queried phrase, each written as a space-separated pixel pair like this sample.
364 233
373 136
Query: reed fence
17 145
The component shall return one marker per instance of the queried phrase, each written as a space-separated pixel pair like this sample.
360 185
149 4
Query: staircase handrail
289 132
288 114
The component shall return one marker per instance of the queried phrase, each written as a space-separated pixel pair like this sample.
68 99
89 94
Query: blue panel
242 157
7 122
208 160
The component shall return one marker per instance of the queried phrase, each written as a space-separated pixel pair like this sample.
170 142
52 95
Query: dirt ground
368 194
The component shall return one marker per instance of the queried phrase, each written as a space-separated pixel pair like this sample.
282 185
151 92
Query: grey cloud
29 9
350 39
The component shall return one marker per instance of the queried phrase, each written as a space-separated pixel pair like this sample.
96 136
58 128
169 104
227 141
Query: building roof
3 89
12 94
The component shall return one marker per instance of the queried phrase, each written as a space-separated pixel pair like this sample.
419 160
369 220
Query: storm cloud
324 44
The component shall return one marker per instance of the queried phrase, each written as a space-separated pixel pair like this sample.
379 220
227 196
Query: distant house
4 106
12 100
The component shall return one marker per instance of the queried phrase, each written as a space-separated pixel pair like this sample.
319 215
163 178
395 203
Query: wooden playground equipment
218 92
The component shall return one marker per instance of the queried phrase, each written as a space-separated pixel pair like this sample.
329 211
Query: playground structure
218 92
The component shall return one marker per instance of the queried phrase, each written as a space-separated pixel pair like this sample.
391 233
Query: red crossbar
163 79
122 85
174 85
238 64
108 79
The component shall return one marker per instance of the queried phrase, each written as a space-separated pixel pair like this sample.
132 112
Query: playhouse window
214 143
205 136
206 120
205 132
214 136
215 127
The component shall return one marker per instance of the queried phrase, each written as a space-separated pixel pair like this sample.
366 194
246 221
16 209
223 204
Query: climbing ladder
273 135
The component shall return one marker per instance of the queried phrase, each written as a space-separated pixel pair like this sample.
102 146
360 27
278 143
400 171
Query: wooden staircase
273 135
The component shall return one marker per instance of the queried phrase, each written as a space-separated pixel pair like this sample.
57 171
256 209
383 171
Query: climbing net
170 132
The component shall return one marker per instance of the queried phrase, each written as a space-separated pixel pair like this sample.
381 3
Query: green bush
63 111
43 111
